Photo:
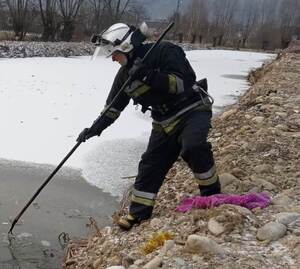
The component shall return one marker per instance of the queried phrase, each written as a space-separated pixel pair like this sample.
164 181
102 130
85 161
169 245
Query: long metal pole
78 143
42 187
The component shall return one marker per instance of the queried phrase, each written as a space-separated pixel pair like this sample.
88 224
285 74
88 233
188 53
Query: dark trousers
188 139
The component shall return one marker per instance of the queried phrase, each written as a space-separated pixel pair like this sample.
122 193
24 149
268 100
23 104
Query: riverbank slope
257 146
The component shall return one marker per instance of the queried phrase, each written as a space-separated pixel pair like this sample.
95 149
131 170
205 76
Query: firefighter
180 108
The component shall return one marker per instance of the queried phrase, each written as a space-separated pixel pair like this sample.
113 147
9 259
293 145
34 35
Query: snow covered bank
18 49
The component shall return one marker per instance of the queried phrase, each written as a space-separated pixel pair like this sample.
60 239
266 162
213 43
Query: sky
46 102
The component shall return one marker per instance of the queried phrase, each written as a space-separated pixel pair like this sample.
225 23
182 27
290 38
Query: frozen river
46 102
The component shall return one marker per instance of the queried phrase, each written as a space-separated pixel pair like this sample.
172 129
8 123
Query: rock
294 227
296 135
70 262
266 185
292 134
281 127
133 266
154 263
215 227
226 179
217 134
262 168
287 217
201 244
262 146
272 231
127 261
116 260
97 263
139 262
245 145
229 148
281 114
156 222
292 208
116 267
258 119
134 255
239 173
107 230
281 199
259 99
228 113
169 244
242 210
268 108
179 262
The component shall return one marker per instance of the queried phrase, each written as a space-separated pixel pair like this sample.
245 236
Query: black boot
127 222
215 188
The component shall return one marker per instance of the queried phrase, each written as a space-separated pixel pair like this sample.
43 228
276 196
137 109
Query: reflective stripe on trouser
144 198
207 178
189 139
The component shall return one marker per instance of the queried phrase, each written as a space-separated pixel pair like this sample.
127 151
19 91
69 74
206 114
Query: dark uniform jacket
167 91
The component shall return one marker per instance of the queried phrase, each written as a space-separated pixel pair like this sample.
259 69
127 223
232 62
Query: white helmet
120 37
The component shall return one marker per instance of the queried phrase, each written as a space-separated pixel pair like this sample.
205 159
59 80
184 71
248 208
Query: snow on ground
46 102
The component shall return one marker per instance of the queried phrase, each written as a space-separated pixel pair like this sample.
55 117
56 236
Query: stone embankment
17 49
257 148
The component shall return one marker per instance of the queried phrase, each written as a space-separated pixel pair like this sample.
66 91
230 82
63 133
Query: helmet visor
106 47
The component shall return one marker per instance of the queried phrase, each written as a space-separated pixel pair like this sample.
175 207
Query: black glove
96 129
86 134
139 70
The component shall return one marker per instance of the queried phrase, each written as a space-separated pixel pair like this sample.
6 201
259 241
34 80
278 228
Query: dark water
27 252
64 206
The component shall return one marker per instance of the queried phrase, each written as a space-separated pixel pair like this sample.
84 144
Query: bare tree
267 22
91 17
197 19
2 16
222 17
249 19
97 10
69 10
289 18
115 9
18 10
135 13
48 11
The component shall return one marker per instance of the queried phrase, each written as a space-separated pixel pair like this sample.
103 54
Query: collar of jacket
140 52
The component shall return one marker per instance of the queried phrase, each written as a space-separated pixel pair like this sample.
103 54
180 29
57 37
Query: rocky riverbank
257 148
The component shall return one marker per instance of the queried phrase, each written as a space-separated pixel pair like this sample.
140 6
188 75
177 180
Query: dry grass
124 204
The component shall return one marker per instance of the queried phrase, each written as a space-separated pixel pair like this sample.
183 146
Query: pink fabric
250 200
